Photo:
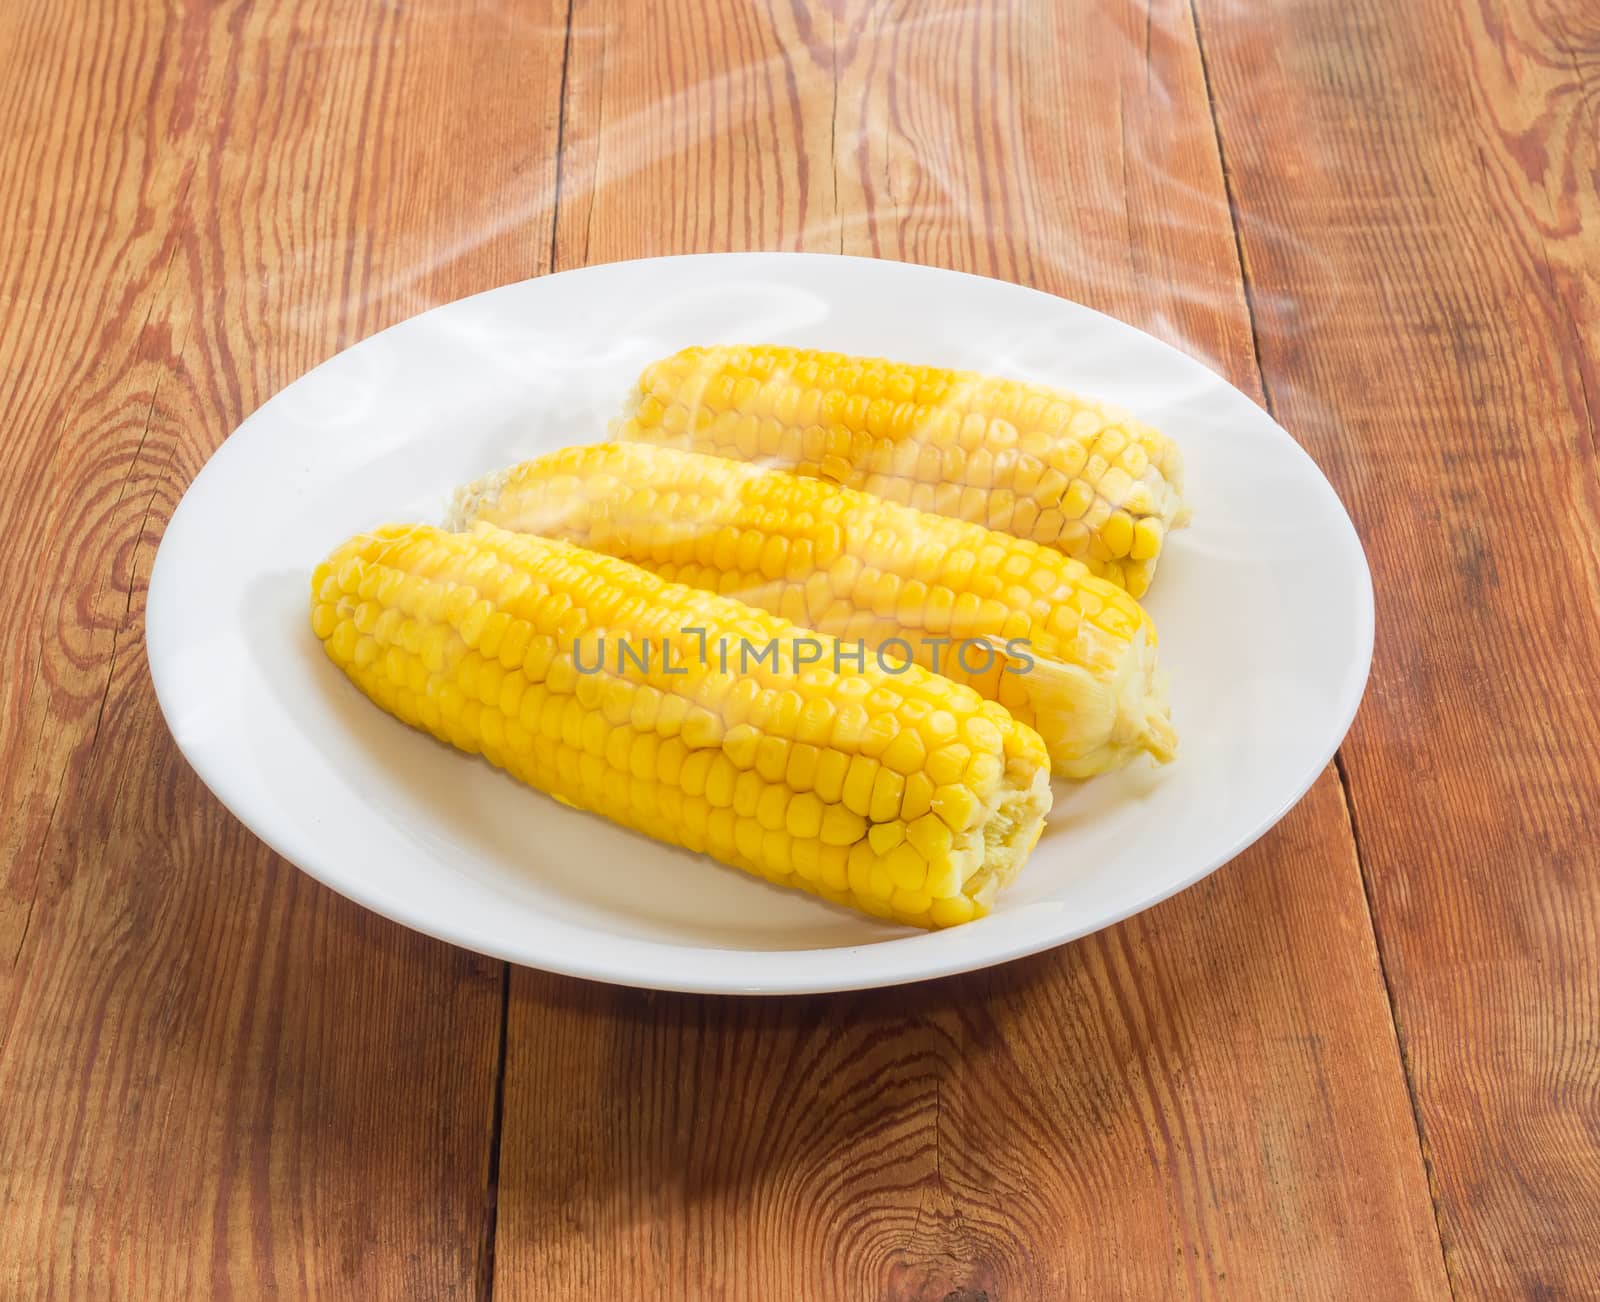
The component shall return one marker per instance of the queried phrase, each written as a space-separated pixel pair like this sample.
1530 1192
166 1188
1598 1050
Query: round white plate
1264 607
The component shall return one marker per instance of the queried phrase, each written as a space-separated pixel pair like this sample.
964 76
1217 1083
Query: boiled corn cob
904 795
851 565
1027 459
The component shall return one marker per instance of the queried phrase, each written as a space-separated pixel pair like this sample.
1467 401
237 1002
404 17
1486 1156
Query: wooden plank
1415 186
219 1079
75 297
1205 1101
694 130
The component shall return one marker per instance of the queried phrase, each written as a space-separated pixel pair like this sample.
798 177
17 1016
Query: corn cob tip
1010 832
1158 737
1118 720
469 502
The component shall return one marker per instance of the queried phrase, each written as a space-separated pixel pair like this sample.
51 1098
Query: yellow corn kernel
771 757
832 869
1117 534
800 772
906 867
841 827
952 910
828 780
859 780
1147 536
947 764
805 857
883 837
859 868
772 807
957 808
804 815
1077 500
918 797
907 753
931 837
887 789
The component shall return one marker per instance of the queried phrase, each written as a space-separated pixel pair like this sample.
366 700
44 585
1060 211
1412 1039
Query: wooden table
1363 1061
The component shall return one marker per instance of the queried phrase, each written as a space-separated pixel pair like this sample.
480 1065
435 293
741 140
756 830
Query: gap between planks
491 1194
561 140
491 1201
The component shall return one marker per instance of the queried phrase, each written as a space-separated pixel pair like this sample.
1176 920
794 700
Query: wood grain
1206 1101
220 1080
1420 220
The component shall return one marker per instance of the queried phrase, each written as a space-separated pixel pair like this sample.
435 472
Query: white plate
1264 607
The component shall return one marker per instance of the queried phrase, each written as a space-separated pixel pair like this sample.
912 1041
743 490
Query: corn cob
1026 459
901 794
850 565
